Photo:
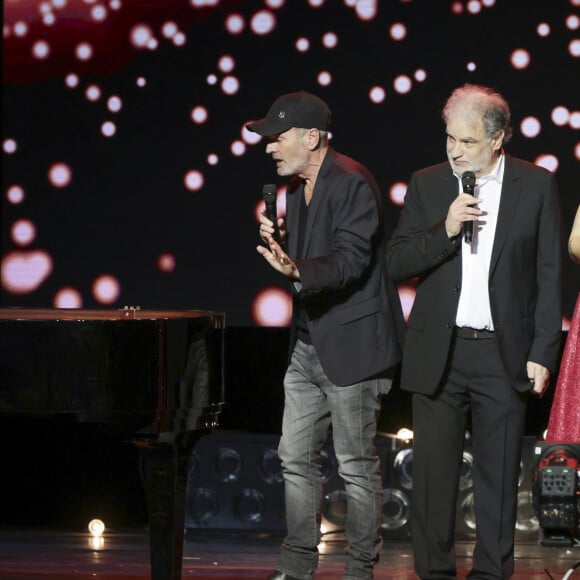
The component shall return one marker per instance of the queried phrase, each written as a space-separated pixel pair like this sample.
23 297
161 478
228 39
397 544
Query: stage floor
27 554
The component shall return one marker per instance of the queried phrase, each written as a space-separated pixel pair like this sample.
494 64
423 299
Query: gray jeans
312 405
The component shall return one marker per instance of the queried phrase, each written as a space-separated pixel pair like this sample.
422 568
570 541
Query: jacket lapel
510 196
318 197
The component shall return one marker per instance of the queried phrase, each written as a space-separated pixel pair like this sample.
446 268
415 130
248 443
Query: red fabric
564 423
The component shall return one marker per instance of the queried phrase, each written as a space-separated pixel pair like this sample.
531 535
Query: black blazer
353 309
524 280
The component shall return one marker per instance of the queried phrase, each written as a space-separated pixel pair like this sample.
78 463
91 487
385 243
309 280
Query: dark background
127 203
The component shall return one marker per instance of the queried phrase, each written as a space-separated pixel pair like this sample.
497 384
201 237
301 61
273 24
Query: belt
473 333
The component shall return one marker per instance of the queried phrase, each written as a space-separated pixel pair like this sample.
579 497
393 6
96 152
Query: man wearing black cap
344 342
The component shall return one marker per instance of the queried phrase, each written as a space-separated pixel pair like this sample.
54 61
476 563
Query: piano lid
156 370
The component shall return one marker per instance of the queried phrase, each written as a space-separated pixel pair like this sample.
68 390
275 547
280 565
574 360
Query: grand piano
157 374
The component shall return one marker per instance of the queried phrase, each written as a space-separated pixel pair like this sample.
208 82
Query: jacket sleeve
419 243
352 216
547 316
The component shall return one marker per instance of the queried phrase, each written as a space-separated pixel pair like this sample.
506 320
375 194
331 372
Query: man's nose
270 148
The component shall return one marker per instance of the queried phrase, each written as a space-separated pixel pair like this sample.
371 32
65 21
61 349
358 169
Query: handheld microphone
468 183
269 195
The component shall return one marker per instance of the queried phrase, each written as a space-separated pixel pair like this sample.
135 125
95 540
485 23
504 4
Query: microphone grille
269 191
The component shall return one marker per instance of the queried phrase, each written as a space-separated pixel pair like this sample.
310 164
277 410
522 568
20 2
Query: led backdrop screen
128 178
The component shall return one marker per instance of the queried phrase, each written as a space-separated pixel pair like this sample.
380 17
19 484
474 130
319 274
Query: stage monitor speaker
527 525
235 482
396 458
556 492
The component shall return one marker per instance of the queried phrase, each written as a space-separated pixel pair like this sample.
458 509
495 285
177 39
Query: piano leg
164 470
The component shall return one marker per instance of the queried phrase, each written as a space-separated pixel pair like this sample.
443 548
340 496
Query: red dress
564 423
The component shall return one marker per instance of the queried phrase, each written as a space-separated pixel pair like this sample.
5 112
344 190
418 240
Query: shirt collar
496 173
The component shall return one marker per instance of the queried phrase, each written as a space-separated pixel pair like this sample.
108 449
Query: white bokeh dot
397 192
402 84
238 148
194 180
377 94
560 116
68 297
250 137
179 39
226 63
169 29
15 194
98 13
520 58
474 6
106 289
329 40
572 22
199 114
574 47
398 31
235 24
71 80
543 29
547 161
84 51
263 22
140 35
108 129
9 146
574 120
230 85
302 44
420 75
324 78
272 307
23 232
93 93
60 175
40 49
530 127
20 28
114 104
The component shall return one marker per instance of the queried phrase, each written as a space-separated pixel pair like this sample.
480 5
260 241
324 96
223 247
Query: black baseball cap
299 109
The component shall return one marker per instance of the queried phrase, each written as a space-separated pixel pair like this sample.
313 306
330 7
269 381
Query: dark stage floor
27 554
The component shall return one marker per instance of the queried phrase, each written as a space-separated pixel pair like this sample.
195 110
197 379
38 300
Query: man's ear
498 141
313 139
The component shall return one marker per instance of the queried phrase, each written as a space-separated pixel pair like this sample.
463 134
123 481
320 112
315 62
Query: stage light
405 435
96 528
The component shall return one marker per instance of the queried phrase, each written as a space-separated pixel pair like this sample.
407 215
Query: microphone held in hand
269 193
468 183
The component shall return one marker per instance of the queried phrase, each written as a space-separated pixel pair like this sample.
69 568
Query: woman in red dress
564 423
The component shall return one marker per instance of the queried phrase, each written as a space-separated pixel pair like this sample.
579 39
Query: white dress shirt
474 309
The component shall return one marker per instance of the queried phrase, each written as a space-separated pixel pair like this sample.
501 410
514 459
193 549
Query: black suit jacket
353 309
524 280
